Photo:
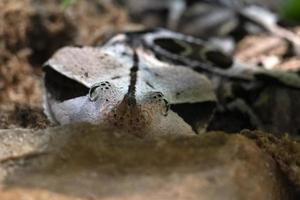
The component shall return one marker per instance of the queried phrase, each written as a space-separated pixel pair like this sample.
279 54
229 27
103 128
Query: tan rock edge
85 162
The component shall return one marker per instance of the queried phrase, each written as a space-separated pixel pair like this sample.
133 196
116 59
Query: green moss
67 3
291 10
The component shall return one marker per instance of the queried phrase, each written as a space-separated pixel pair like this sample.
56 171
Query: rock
86 162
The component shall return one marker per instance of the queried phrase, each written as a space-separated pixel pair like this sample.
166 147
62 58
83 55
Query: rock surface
84 162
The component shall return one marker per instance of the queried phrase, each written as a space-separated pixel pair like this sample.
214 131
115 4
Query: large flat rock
85 162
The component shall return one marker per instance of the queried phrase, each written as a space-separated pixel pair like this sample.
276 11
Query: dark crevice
195 114
231 121
61 87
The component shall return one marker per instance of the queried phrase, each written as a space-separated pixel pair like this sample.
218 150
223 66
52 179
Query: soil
284 150
30 33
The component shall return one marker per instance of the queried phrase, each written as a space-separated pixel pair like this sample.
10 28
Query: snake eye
167 107
99 89
93 92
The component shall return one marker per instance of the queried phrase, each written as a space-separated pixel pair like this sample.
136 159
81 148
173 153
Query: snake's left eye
98 89
93 94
